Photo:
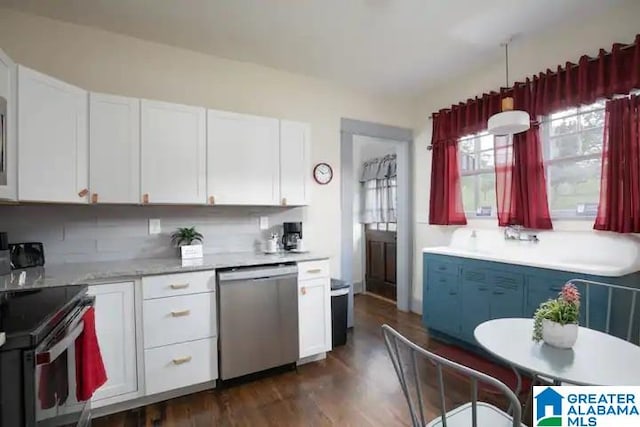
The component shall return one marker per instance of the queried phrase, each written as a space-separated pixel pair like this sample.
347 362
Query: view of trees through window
572 150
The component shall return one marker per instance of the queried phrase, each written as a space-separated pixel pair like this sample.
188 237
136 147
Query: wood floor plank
355 386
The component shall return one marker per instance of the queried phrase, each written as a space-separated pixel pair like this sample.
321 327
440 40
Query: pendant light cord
506 58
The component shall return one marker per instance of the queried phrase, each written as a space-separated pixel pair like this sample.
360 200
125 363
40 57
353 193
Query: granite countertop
97 272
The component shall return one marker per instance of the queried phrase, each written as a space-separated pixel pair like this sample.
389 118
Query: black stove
38 372
28 316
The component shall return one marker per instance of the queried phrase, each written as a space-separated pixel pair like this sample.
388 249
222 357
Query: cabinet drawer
476 275
179 319
313 269
169 285
180 365
442 282
442 267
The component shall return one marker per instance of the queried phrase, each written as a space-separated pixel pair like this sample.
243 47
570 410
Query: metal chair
404 355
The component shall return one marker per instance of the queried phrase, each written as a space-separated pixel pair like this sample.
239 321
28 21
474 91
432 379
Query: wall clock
322 173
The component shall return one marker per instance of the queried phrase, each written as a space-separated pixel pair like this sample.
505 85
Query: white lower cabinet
314 310
180 365
116 331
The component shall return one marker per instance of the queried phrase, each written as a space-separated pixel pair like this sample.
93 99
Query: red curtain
521 186
521 195
619 208
445 207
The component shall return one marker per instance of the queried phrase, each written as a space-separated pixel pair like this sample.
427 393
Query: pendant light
508 121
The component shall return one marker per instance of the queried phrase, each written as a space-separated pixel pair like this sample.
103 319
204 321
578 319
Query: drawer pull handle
181 360
303 291
314 270
179 286
180 313
555 289
482 288
498 292
83 192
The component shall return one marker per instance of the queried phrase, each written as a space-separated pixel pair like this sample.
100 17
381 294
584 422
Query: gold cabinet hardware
314 270
303 290
181 360
94 198
179 285
212 200
180 313
83 192
284 201
145 198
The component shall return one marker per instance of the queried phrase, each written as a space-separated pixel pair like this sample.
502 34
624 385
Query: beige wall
112 63
555 46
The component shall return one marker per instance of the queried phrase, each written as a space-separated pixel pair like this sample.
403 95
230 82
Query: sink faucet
517 232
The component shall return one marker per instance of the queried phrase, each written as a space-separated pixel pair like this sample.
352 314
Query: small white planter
191 251
557 335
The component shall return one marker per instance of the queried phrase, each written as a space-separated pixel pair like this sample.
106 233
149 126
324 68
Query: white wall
527 57
364 148
107 62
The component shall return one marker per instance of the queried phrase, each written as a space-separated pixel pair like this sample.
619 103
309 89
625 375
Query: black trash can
339 307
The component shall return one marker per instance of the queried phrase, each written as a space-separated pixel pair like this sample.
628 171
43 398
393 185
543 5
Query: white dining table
595 359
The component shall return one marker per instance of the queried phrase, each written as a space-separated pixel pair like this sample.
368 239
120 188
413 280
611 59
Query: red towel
90 372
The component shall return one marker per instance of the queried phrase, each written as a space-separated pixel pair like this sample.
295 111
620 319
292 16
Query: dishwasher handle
257 273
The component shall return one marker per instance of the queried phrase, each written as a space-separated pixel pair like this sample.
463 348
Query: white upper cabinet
8 148
53 158
114 141
242 159
173 153
295 163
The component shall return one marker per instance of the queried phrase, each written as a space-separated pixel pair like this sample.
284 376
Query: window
572 145
477 175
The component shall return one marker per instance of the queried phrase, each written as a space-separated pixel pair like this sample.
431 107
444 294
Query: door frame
403 140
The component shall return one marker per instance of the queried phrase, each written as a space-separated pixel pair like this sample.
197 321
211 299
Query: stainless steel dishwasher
258 318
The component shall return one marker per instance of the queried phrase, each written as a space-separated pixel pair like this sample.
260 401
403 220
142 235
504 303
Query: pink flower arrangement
570 294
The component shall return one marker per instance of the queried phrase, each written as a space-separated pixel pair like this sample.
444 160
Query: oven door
53 391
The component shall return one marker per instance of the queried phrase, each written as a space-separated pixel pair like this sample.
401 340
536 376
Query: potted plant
556 320
184 239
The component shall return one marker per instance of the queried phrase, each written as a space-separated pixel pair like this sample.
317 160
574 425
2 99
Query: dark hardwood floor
355 386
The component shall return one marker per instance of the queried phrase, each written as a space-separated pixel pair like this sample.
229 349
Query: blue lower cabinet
460 293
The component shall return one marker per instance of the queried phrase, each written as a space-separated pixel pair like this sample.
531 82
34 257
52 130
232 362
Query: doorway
376 255
375 216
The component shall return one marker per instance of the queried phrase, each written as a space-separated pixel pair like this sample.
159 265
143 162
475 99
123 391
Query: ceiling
390 47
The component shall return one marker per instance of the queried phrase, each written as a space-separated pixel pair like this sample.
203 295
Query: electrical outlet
154 226
264 223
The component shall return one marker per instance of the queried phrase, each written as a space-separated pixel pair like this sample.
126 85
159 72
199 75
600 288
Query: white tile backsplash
107 233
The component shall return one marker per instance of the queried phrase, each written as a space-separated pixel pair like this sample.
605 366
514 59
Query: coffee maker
291 233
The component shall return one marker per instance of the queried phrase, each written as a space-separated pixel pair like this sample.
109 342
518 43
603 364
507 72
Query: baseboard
416 306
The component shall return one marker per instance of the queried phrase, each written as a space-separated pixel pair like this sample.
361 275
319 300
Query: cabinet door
116 330
475 292
173 139
314 316
53 147
295 163
114 140
442 303
8 146
242 159
507 294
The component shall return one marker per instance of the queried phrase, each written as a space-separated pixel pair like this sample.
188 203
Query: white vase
557 335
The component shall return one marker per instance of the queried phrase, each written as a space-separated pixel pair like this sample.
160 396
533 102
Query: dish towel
90 372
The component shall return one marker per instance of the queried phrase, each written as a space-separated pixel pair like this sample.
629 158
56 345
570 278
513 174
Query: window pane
469 193
592 141
565 146
574 186
487 159
487 194
592 119
466 146
486 142
467 162
563 126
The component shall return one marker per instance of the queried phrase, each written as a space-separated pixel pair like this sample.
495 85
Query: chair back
405 356
610 308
